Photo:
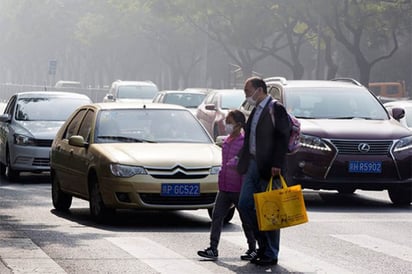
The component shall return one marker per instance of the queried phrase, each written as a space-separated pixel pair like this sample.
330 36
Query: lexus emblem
364 147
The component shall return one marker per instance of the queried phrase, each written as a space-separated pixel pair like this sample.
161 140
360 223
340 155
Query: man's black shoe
264 261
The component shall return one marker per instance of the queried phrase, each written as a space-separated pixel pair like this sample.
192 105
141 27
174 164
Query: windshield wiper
351 117
126 139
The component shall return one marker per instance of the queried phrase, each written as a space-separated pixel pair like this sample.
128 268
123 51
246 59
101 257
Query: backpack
294 138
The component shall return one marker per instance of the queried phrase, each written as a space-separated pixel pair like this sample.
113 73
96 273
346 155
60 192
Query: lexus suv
348 139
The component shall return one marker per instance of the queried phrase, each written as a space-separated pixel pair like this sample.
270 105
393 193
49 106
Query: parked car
407 106
136 91
28 126
214 108
349 141
128 155
188 99
67 84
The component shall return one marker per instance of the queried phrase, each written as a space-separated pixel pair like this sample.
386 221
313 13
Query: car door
63 156
206 113
80 157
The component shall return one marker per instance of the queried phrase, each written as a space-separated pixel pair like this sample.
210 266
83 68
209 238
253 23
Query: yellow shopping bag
280 208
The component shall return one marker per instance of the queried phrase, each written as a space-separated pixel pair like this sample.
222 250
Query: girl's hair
237 116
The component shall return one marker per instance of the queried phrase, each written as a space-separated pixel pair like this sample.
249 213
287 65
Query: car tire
400 196
228 217
11 174
98 210
61 200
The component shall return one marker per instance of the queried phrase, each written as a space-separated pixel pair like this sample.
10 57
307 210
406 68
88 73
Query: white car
131 91
407 106
28 127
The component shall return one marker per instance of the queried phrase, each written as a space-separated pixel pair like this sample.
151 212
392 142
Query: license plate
365 167
180 190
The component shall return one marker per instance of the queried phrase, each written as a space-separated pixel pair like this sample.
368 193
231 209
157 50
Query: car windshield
136 92
333 103
184 99
149 125
47 108
232 100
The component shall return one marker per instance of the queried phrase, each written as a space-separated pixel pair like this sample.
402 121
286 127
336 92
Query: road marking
382 246
157 256
295 261
21 255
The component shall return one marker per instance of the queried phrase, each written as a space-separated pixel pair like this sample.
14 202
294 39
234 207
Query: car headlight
313 142
403 144
119 170
214 170
23 140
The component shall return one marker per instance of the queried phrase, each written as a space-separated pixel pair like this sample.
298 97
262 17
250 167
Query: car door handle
71 152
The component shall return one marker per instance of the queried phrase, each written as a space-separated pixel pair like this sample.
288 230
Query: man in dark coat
262 156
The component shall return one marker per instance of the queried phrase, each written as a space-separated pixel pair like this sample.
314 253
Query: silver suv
125 91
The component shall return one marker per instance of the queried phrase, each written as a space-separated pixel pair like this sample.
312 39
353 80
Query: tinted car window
74 124
45 109
186 100
136 92
133 125
86 126
231 100
318 103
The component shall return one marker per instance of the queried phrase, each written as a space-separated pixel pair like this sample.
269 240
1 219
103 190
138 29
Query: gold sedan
120 155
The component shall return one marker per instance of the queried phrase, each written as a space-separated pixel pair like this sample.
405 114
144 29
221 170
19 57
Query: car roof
398 103
133 83
116 105
314 83
226 90
33 94
182 92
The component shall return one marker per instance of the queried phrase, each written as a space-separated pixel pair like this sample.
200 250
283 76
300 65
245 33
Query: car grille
352 147
178 172
43 143
41 162
157 199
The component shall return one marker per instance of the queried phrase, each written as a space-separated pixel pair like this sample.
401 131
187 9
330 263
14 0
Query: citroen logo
364 147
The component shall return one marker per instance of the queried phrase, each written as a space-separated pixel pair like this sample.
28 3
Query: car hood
39 129
162 155
354 129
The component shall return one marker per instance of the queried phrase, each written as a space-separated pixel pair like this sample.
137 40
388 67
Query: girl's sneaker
210 253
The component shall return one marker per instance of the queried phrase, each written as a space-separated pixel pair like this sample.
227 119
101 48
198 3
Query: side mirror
210 107
398 113
77 141
5 118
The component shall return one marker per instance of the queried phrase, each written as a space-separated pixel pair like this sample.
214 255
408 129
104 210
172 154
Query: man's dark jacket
271 141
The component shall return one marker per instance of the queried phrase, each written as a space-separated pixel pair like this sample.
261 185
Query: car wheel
400 196
61 201
100 213
228 217
11 174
